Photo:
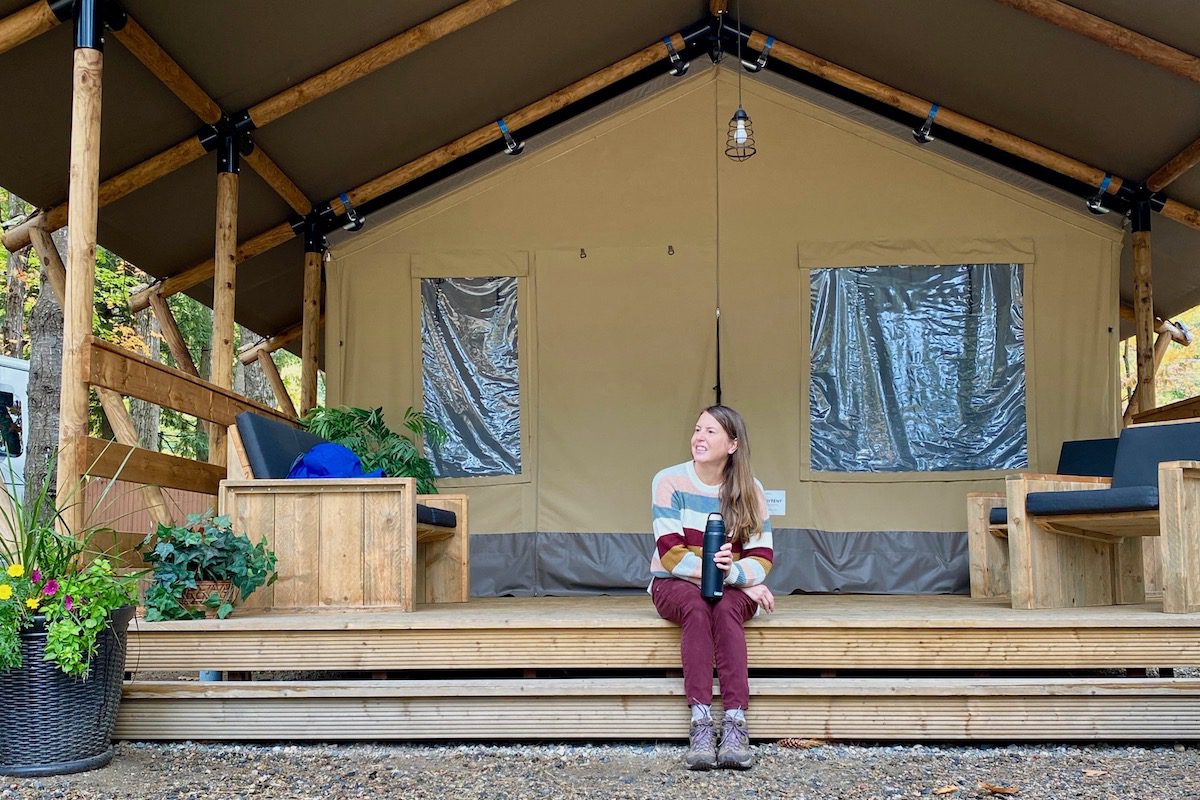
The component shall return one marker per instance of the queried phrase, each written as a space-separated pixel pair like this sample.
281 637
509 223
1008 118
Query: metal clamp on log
679 67
1095 203
758 64
511 145
354 220
924 134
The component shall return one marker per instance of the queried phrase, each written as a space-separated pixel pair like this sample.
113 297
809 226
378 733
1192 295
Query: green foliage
205 549
44 572
376 445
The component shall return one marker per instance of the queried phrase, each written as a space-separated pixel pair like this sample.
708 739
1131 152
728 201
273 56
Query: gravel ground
603 772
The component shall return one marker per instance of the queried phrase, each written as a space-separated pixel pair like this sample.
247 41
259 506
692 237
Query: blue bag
328 460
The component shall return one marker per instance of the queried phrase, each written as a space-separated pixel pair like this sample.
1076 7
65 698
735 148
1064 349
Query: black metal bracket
91 18
230 137
312 228
679 67
716 50
1141 208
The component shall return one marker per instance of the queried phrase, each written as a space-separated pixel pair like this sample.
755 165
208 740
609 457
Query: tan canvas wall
632 226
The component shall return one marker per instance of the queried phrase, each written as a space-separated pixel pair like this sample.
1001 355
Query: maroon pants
708 631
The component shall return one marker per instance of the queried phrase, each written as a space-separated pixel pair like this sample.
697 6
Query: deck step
865 709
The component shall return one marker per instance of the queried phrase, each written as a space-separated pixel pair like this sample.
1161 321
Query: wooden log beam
277 106
282 397
273 343
267 240
373 59
1132 43
52 265
1161 344
172 335
946 118
126 433
224 294
432 160
134 375
113 189
1177 166
310 330
138 42
1143 307
718 7
87 74
279 182
21 26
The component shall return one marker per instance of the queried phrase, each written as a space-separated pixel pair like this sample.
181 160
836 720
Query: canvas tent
830 188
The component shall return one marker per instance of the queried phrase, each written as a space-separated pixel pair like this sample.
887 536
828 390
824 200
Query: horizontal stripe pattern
680 505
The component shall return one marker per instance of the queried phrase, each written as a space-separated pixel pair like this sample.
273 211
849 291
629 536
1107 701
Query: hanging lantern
739 144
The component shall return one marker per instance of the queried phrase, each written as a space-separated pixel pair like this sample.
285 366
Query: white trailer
14 421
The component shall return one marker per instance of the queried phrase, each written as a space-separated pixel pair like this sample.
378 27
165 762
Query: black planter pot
56 724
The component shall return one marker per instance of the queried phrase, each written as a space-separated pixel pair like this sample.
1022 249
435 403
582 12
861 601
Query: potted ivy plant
203 568
64 614
377 446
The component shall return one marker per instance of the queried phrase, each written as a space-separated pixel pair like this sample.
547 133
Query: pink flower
68 603
50 588
35 576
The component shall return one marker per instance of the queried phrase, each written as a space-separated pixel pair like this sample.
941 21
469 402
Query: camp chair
987 516
342 541
1076 541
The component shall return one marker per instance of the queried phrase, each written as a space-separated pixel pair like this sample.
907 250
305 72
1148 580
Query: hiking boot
734 752
702 741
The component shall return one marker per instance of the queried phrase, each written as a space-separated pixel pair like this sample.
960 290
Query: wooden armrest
1182 465
984 495
1040 476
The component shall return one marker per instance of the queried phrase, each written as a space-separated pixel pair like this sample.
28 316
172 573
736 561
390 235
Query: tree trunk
146 415
45 380
14 298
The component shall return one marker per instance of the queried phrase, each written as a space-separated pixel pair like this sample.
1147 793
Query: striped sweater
681 505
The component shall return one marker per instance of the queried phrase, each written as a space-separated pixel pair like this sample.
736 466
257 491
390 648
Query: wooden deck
558 668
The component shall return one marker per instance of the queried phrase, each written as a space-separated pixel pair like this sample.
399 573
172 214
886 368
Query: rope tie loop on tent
511 145
679 67
924 134
758 64
1095 203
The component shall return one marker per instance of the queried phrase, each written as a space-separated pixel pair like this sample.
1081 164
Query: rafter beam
1167 173
279 105
1141 47
31 21
427 163
272 343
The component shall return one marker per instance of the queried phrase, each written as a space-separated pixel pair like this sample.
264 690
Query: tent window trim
484 267
836 255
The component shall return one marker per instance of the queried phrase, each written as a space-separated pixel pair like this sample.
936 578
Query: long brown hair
739 497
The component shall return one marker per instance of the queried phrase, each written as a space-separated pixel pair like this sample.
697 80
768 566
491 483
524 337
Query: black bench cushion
427 515
1142 447
1095 457
272 447
998 516
1093 501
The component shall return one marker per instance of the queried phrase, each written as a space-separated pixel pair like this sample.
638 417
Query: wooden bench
987 515
350 542
1075 541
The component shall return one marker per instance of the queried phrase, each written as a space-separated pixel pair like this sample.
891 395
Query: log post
314 249
1143 304
84 187
224 265
52 266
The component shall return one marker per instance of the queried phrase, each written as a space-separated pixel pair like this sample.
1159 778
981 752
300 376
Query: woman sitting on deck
718 478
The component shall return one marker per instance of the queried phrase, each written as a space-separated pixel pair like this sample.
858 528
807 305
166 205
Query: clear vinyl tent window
917 368
470 374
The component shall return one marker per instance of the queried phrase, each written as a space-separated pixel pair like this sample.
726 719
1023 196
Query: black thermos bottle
712 579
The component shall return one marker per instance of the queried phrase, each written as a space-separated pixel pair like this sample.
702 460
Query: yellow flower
16 570
5 591
32 602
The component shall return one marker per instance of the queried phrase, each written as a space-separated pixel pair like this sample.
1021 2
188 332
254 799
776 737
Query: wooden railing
1183 409
117 373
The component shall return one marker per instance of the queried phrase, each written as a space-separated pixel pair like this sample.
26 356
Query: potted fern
379 447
